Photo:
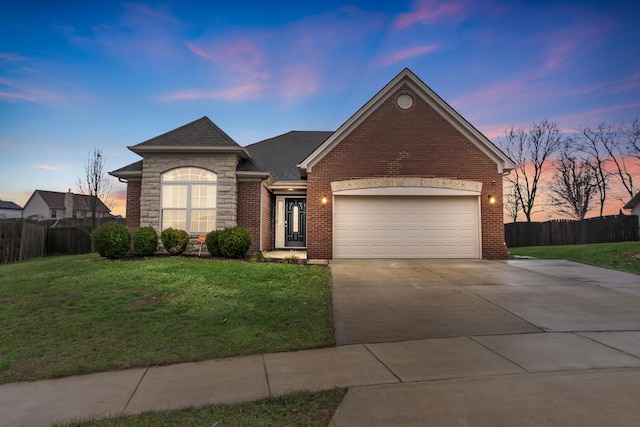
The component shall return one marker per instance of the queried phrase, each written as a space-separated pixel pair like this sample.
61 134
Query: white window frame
189 184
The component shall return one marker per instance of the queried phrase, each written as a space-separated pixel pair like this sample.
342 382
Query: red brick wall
249 201
396 142
268 227
133 204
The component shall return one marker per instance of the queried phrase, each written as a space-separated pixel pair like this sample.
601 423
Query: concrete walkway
526 378
504 364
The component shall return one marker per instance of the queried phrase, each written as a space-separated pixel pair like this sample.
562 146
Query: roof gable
406 77
81 202
53 199
201 135
635 200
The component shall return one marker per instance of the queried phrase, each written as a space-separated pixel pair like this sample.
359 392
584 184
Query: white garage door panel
406 227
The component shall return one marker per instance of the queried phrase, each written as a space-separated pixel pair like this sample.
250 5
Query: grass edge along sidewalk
621 256
308 409
82 314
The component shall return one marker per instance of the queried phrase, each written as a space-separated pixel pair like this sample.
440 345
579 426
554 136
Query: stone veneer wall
223 164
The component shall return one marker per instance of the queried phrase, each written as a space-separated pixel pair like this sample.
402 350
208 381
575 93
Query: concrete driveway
493 343
397 300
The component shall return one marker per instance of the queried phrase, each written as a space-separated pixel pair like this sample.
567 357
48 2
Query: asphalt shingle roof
5 204
133 167
199 133
81 202
281 155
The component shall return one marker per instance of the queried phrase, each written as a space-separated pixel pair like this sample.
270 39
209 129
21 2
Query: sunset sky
79 74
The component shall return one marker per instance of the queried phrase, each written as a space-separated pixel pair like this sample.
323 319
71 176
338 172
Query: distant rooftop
5 204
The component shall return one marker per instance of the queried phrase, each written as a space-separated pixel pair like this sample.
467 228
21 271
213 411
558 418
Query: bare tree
633 139
96 185
616 150
574 184
530 150
511 204
592 145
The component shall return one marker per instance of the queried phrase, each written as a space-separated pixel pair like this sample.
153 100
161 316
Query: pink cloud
560 47
598 115
405 54
46 167
13 57
242 64
142 31
558 54
628 83
287 62
241 56
18 91
495 93
568 123
298 80
427 11
235 93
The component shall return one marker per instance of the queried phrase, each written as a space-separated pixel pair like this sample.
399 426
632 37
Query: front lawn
81 314
616 256
297 409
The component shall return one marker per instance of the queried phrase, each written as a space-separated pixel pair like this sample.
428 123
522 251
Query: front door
295 223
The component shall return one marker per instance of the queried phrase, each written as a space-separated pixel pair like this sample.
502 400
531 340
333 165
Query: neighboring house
9 210
634 205
44 205
405 177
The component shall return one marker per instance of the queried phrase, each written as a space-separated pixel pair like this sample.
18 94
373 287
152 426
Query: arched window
189 199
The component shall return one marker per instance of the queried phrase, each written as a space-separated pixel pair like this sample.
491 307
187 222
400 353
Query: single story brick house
405 177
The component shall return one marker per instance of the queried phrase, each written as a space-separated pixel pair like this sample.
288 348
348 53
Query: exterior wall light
492 199
324 200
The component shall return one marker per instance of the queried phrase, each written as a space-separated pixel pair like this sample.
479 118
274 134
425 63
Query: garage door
406 227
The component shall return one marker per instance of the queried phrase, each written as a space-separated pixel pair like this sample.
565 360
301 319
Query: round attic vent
405 101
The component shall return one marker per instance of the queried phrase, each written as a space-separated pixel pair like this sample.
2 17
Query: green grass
616 256
297 409
80 314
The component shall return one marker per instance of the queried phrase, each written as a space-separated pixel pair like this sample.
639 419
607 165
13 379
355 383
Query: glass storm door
295 223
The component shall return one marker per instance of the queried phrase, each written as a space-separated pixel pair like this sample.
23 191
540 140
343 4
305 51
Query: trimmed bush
111 240
145 241
212 243
174 241
234 242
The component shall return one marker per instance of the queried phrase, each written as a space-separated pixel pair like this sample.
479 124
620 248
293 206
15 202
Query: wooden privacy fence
614 228
67 241
22 240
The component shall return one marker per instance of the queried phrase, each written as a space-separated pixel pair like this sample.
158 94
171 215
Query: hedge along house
405 177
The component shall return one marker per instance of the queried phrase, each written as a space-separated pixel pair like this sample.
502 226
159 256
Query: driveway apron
395 300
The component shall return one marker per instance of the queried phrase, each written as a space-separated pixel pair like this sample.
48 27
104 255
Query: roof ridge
202 133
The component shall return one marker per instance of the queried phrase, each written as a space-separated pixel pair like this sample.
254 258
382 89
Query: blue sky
79 74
